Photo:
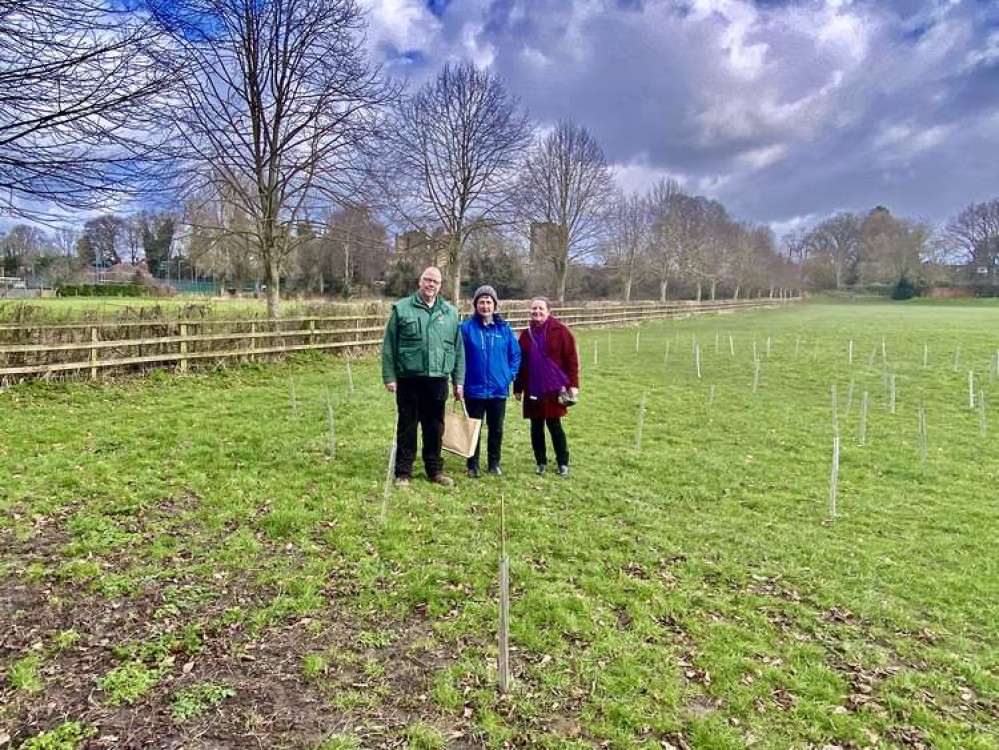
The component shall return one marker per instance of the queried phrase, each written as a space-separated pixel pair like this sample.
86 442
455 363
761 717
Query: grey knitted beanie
482 291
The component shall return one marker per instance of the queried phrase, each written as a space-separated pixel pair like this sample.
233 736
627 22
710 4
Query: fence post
183 347
93 353
312 331
253 341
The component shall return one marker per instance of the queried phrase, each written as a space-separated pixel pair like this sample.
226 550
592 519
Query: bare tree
278 105
793 246
629 236
754 261
975 234
665 241
21 247
682 234
454 148
65 240
836 242
346 249
359 246
75 76
567 184
219 234
712 234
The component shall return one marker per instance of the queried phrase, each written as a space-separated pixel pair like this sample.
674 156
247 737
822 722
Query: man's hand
459 392
390 387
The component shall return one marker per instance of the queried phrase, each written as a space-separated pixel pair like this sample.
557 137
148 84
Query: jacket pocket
410 347
409 329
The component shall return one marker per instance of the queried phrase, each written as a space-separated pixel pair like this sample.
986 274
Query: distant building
421 249
543 241
12 282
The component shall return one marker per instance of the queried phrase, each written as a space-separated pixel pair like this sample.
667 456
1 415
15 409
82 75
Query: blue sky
786 110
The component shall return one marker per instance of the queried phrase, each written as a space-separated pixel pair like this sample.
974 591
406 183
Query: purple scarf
544 376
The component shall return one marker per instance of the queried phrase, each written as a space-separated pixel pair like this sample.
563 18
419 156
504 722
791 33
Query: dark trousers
494 411
558 441
420 400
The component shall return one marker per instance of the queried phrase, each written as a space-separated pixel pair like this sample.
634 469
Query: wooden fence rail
34 351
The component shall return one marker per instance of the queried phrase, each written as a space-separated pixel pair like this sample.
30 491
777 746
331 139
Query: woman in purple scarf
548 363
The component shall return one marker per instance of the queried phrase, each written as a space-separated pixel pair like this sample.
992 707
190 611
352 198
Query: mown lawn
184 565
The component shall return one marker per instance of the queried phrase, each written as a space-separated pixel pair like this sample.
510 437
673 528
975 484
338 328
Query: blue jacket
492 357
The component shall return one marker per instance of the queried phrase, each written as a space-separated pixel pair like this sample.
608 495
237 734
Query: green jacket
420 340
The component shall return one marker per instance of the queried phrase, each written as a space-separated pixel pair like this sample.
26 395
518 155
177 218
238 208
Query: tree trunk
771 292
454 265
714 289
560 292
346 266
736 295
627 289
561 271
273 290
663 288
698 290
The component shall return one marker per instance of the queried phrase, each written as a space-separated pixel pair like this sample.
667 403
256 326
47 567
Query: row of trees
879 248
663 242
284 153
671 237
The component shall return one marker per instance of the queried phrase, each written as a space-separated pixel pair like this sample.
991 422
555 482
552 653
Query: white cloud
758 158
639 175
476 49
902 141
986 54
778 109
794 224
403 24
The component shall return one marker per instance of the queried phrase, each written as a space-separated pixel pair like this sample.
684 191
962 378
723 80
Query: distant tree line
252 142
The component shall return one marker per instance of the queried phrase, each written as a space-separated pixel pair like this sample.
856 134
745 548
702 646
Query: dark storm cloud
786 111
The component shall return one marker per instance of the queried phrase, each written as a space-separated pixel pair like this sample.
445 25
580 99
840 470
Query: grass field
106 309
184 564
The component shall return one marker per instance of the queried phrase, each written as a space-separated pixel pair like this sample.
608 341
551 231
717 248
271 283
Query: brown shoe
442 480
402 482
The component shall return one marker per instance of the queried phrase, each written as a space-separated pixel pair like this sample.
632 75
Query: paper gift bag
461 432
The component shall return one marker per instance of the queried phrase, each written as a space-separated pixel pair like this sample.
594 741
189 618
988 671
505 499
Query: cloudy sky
785 110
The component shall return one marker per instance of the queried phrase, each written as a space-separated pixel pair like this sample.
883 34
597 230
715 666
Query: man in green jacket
421 351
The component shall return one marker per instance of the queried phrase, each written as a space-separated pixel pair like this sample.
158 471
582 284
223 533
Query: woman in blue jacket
492 359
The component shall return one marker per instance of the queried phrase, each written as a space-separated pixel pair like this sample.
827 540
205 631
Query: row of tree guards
977 397
976 400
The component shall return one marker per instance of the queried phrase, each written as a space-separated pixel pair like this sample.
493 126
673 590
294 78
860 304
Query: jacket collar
419 301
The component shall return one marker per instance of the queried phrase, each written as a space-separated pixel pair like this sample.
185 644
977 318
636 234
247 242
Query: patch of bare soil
273 704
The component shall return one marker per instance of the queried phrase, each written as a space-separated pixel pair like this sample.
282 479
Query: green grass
24 674
73 309
67 736
195 701
697 590
129 682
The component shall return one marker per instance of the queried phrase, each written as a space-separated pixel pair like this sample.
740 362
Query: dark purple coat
562 349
